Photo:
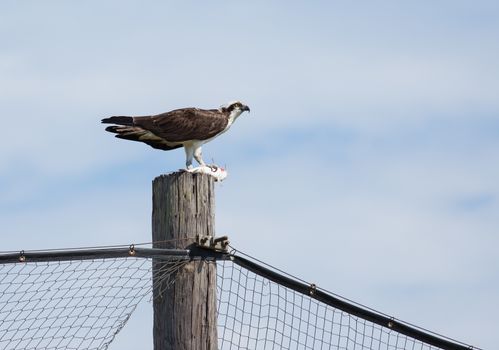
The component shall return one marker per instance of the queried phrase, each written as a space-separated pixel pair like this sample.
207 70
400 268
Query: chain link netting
75 304
83 304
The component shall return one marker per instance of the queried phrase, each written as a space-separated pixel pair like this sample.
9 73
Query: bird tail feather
134 133
126 132
120 120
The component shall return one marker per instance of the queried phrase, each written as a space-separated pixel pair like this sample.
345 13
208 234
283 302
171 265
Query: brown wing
184 124
135 133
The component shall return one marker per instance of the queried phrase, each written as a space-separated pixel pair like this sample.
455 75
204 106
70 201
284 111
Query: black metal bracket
218 244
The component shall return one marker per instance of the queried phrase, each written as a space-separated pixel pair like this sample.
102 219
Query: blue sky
370 157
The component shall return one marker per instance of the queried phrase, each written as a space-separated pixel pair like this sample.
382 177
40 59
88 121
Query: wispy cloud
368 165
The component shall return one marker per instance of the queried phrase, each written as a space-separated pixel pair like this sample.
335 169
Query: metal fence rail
81 298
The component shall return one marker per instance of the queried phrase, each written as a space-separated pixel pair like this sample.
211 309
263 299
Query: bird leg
199 156
189 153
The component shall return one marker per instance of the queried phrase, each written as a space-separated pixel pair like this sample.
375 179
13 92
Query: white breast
232 118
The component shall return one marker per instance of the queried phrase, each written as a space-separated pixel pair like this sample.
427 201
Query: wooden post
185 313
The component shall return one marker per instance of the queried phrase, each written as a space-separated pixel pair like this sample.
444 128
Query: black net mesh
83 304
76 304
256 313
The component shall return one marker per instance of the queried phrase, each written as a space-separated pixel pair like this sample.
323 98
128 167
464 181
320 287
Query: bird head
235 108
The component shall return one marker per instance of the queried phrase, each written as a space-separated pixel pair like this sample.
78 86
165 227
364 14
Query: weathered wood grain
185 313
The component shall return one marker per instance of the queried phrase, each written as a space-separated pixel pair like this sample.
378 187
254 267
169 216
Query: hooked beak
246 108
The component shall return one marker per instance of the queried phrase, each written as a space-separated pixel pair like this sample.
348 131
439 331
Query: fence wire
82 303
257 313
74 304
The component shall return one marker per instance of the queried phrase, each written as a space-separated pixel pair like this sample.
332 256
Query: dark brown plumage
185 124
172 127
188 127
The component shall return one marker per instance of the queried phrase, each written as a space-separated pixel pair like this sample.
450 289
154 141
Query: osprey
186 127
